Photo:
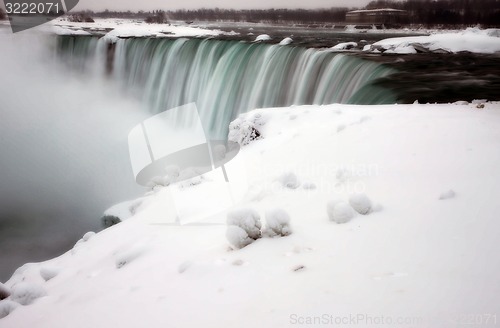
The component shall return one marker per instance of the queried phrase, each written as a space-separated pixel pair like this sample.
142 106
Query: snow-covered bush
6 307
4 291
360 203
289 180
246 219
26 293
277 223
237 237
339 212
48 273
244 129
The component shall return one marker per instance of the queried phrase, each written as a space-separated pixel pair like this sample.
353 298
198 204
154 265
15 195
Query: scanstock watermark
374 320
361 319
26 14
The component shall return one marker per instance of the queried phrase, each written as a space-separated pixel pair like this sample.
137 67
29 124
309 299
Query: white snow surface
344 46
123 28
472 39
420 259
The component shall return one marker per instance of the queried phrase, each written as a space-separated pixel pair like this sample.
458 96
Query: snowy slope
472 40
414 259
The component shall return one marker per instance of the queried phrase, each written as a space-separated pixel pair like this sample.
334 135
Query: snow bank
413 260
126 28
471 40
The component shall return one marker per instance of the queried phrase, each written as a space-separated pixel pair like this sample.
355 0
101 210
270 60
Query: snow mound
26 293
402 50
48 273
87 236
6 308
345 46
289 180
285 41
237 237
360 203
277 223
339 212
243 129
262 37
248 220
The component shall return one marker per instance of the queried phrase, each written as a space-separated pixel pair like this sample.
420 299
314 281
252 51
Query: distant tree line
446 12
330 15
421 12
216 14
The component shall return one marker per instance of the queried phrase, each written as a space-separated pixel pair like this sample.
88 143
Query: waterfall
226 78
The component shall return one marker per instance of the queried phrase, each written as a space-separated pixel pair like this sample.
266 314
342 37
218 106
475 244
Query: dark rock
110 220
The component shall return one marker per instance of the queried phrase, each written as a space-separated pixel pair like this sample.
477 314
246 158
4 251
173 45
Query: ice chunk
345 46
262 37
286 41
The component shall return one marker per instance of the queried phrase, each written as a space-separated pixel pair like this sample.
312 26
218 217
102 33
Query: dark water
442 78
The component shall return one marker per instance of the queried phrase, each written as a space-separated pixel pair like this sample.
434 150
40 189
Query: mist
63 150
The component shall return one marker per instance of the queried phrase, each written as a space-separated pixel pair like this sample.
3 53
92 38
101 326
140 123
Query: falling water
226 78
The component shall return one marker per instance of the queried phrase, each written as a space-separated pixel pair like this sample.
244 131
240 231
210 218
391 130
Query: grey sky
194 4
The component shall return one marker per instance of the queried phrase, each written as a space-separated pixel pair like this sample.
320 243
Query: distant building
386 16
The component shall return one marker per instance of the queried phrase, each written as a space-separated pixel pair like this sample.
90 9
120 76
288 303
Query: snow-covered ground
115 28
423 253
472 40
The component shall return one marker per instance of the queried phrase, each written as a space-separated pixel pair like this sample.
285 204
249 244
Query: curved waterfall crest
226 78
